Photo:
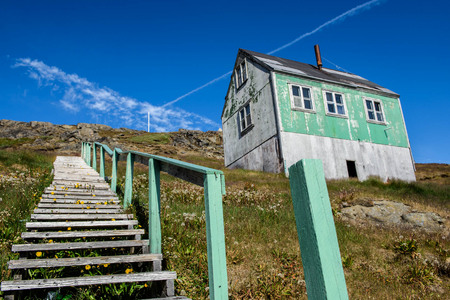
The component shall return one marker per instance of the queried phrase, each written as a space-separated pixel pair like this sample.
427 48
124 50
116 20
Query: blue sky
112 61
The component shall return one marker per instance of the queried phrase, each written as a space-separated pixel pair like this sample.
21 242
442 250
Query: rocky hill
66 139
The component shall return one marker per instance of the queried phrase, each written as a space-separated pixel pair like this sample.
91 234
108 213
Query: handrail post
94 156
89 160
215 237
128 194
316 231
102 162
82 152
154 206
115 160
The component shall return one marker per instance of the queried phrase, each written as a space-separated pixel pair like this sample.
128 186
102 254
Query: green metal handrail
213 182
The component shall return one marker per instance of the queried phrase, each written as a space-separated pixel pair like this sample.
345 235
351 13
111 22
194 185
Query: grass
8 143
263 255
23 177
151 138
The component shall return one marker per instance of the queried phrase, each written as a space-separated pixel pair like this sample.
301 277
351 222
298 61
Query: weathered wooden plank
81 217
91 210
80 193
81 261
78 245
74 201
75 224
16 285
101 207
81 197
80 234
170 298
319 246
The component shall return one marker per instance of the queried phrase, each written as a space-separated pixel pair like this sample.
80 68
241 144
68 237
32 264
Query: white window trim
324 94
367 111
239 66
247 127
291 96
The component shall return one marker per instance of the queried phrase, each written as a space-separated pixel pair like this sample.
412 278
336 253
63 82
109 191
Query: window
301 97
241 74
335 103
374 111
245 118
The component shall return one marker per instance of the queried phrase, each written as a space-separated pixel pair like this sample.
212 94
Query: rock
391 213
35 124
431 221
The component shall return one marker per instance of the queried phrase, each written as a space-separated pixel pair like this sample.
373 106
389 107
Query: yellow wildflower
50 241
129 270
52 193
56 256
106 203
39 254
81 202
68 228
93 195
145 285
105 265
87 267
113 219
88 207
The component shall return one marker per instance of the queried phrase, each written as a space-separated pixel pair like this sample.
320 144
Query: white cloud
108 106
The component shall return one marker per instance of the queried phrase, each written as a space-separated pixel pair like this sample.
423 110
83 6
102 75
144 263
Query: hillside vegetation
381 260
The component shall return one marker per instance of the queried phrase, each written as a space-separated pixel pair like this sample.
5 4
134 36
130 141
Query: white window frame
245 118
374 111
344 105
241 72
302 98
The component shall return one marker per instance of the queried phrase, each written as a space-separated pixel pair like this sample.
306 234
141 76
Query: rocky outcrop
391 213
45 136
208 142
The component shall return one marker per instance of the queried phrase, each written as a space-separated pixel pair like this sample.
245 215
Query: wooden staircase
77 214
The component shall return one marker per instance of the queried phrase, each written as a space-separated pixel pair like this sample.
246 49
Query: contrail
348 13
341 17
197 89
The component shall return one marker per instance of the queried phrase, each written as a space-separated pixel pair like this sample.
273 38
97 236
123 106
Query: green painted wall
355 127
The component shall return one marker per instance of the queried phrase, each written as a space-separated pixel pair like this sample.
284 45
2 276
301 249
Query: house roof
306 70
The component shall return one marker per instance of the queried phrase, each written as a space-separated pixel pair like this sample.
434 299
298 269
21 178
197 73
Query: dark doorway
351 168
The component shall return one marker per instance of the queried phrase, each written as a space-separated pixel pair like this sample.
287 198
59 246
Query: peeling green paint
354 127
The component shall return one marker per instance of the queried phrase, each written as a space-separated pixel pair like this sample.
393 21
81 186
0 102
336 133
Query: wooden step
81 261
169 298
74 201
90 210
80 193
78 245
81 234
78 206
75 224
83 216
16 285
80 196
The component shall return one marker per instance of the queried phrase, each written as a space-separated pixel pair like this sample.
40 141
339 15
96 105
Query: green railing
213 182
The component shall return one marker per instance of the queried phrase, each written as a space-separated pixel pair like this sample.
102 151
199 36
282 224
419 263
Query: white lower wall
384 161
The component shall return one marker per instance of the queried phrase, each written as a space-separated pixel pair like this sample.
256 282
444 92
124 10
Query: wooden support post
215 237
89 156
128 194
82 150
115 160
102 162
319 246
94 157
154 205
